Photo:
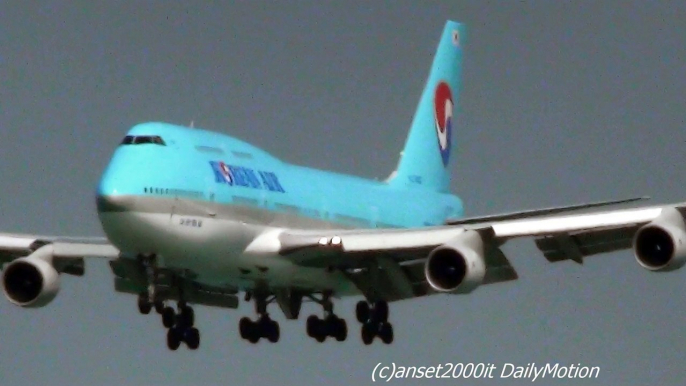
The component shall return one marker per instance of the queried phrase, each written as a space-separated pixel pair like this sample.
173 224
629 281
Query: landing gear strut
331 325
374 319
264 326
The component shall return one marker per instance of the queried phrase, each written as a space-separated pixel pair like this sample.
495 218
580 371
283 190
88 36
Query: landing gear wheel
144 305
311 326
173 339
249 330
244 326
362 311
368 333
168 317
340 330
386 333
317 328
186 316
192 338
159 307
253 336
271 330
380 311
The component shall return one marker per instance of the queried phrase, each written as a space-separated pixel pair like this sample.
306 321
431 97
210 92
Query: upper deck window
143 139
241 154
209 149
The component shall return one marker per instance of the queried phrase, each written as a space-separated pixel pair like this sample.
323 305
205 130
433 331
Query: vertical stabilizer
430 145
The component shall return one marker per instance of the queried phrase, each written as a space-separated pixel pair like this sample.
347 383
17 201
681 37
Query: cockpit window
143 139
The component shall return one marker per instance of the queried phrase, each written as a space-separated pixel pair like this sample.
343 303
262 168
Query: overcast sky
562 104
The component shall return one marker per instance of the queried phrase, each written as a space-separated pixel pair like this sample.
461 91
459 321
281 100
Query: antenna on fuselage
192 125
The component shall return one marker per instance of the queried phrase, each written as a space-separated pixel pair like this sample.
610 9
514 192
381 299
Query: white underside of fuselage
216 252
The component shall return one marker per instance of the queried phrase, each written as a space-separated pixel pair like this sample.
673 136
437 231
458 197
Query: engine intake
661 245
457 266
30 282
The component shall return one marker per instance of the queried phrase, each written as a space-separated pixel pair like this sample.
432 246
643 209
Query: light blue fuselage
183 168
171 199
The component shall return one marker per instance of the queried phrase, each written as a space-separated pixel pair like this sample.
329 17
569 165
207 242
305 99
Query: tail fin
425 159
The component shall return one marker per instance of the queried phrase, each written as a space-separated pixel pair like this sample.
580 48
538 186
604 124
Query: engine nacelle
457 266
30 282
661 244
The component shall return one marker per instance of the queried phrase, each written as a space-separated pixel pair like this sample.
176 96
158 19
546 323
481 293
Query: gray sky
562 104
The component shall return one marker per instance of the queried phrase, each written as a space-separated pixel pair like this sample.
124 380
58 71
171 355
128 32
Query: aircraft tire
244 327
168 317
362 311
340 329
173 339
273 332
159 307
144 305
386 332
368 333
186 317
253 332
380 311
192 338
311 326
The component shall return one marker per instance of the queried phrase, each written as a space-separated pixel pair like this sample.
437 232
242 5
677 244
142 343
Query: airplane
197 217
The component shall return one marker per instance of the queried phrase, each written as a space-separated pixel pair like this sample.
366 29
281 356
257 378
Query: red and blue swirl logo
226 172
443 109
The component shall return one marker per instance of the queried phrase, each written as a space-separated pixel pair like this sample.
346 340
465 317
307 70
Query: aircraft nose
111 203
109 199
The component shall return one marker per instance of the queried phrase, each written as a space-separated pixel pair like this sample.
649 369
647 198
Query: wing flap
582 244
388 279
367 240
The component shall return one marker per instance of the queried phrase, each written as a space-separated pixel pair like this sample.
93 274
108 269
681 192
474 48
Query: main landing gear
263 327
330 326
374 319
180 323
180 327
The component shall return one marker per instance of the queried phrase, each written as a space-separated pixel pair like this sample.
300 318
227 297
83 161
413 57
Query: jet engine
661 244
457 266
30 282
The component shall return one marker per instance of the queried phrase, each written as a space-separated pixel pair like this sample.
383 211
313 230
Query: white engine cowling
661 244
30 282
457 266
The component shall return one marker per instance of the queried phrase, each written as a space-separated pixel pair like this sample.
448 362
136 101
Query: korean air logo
226 173
443 109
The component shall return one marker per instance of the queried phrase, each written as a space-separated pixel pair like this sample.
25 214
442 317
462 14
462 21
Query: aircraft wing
67 253
391 264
